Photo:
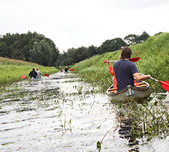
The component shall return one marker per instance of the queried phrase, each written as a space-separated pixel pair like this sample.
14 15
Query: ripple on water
61 113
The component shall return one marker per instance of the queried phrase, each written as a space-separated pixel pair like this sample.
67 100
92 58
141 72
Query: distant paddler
66 69
33 74
38 74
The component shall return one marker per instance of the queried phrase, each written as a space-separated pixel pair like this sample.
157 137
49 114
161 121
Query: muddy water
62 114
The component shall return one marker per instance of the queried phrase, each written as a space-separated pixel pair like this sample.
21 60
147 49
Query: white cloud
135 4
75 23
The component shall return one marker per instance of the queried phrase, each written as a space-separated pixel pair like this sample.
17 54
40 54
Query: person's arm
140 77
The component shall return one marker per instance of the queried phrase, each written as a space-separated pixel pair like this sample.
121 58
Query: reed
144 121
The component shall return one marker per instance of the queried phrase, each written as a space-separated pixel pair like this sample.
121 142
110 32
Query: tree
32 47
3 49
91 50
144 36
131 39
44 53
111 45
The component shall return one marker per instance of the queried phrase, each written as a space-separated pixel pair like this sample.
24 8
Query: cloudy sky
76 23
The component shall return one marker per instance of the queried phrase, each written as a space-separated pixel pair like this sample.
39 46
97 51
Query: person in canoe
33 73
66 69
125 71
38 74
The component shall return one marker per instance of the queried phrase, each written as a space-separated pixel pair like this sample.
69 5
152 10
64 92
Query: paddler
125 70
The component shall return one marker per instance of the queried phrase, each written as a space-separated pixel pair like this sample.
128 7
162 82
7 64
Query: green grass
12 70
154 54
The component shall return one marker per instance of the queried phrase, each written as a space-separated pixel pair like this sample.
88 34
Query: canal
61 113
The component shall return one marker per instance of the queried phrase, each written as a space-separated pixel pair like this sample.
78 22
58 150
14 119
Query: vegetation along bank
11 70
154 60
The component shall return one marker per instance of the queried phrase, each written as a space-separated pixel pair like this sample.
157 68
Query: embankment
154 54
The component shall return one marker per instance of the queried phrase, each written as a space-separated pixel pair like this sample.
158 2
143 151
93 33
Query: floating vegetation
143 121
80 90
7 143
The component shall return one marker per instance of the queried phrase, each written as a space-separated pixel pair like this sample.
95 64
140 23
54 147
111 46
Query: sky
76 23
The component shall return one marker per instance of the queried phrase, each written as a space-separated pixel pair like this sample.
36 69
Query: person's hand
148 76
109 63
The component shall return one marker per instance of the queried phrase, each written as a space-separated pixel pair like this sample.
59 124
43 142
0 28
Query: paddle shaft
164 84
160 81
154 79
135 59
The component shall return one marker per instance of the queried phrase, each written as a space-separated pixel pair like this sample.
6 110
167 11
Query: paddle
164 84
71 69
46 75
135 59
23 77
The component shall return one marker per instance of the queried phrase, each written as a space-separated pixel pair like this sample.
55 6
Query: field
11 70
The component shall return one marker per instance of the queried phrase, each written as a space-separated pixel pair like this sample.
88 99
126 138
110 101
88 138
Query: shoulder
116 63
130 63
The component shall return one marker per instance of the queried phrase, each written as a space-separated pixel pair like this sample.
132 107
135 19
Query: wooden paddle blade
71 69
165 85
46 75
23 77
135 59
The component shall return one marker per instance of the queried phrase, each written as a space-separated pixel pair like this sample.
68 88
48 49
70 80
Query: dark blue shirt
124 70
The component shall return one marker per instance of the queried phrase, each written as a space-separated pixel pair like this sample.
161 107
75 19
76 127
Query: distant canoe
37 78
130 93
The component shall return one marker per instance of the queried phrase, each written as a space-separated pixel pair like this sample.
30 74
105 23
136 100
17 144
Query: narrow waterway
61 113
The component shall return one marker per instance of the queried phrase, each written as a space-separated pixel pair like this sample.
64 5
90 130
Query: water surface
62 113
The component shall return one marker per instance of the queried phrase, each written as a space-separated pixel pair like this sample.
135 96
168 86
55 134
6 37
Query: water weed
144 121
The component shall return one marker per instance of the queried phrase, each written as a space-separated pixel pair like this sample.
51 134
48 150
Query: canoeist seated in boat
113 88
33 74
38 74
125 70
66 69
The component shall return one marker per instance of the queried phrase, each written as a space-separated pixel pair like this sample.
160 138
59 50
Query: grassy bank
11 70
154 54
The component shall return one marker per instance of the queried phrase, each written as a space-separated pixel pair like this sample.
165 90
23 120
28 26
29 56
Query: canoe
130 93
37 78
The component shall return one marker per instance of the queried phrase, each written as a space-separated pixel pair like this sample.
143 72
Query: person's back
66 69
38 73
33 73
124 70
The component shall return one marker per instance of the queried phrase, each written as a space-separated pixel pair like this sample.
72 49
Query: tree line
34 47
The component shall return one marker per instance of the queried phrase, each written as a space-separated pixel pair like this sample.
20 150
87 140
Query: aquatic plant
145 121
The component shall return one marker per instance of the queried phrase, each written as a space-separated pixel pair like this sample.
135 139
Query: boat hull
36 79
133 94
